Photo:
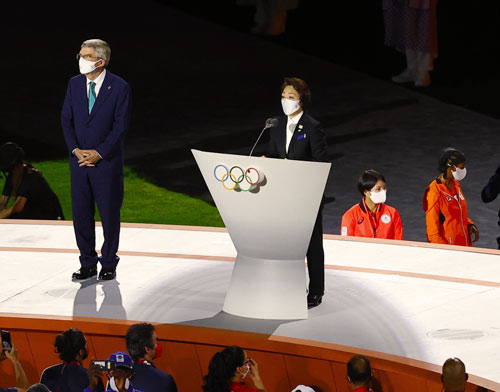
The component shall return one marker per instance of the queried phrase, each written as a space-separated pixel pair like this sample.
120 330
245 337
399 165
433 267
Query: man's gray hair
101 47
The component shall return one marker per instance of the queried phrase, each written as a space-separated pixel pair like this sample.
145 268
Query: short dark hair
359 369
139 336
301 87
10 156
69 343
38 388
368 179
449 156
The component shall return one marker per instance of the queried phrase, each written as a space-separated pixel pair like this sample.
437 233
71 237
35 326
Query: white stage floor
401 298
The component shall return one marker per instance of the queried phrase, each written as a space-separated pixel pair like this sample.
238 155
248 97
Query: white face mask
243 375
87 66
459 174
378 197
113 386
290 106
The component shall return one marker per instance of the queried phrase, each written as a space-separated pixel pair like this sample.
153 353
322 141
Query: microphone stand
261 132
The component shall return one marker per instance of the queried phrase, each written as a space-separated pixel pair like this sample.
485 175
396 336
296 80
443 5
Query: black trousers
316 257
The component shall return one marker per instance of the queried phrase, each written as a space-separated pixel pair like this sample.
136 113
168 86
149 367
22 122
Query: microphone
270 122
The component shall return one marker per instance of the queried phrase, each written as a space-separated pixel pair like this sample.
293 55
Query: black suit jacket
308 141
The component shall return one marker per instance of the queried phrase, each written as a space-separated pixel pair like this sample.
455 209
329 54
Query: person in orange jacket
372 217
444 203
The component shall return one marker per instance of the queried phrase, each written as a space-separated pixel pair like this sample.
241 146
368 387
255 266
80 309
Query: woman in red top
372 217
444 203
230 370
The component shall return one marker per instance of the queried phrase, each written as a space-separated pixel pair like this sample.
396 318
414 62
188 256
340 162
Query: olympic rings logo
239 180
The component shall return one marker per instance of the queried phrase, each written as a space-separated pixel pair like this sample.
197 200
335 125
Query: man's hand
94 372
87 157
12 355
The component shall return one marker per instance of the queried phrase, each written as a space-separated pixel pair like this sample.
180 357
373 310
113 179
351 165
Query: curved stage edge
285 358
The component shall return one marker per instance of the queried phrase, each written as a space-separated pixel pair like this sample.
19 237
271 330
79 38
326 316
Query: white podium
269 207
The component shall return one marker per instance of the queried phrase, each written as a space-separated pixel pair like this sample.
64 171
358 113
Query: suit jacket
308 142
104 128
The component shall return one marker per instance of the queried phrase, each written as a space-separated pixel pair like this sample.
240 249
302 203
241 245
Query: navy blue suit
102 130
308 143
149 378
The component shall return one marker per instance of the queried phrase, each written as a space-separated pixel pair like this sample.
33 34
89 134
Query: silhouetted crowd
229 370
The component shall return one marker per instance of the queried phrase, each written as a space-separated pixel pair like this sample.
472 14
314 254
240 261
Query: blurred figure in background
38 388
453 375
21 380
69 376
372 217
120 379
359 374
445 207
491 191
33 197
411 28
270 15
143 347
230 370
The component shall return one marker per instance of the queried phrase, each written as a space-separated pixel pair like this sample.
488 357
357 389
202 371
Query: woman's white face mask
245 373
459 174
290 106
378 197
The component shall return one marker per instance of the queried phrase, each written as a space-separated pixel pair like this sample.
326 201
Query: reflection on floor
402 299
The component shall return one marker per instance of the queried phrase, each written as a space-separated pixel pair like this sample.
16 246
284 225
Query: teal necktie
91 96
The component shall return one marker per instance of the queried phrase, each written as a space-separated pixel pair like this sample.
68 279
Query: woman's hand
254 374
473 233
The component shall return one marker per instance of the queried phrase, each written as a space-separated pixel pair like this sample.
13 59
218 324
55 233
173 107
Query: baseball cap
303 388
121 359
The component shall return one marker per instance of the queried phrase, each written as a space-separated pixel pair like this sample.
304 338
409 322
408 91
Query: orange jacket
446 214
385 222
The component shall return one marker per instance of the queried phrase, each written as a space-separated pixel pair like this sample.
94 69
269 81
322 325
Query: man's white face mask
113 386
87 66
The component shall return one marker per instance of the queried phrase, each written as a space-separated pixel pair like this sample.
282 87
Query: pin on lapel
109 87
300 127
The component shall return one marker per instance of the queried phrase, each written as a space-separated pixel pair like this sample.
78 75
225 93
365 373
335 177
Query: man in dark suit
94 118
299 136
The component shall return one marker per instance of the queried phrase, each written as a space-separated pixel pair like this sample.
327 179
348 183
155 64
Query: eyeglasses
87 57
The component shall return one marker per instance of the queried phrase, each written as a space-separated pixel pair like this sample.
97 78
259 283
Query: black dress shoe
314 300
85 273
107 274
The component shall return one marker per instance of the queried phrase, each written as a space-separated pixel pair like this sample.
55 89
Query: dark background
200 79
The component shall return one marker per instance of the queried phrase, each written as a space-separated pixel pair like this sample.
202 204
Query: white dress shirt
98 83
290 128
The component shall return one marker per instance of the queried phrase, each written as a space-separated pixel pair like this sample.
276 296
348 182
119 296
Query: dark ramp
200 85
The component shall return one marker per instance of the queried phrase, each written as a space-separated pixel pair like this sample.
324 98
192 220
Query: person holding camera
69 376
120 373
22 382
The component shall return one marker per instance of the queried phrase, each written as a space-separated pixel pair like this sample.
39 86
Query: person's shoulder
306 117
77 78
390 210
52 370
115 79
354 210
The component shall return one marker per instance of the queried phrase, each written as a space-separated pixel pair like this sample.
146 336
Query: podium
269 207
